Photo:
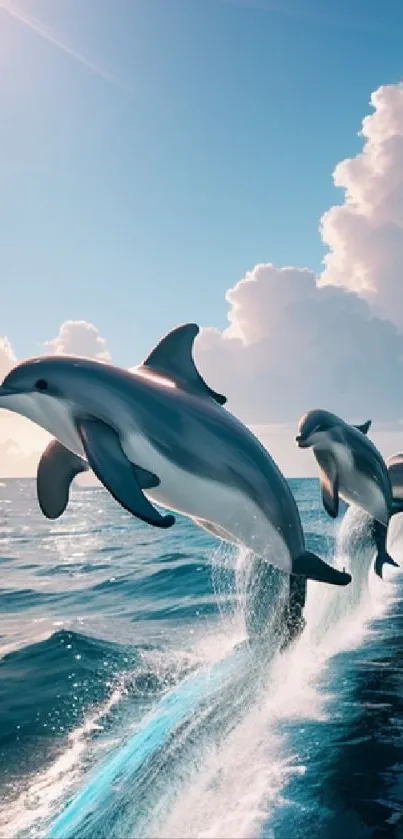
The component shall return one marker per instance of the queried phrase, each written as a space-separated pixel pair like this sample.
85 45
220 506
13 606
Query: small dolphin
379 532
350 467
160 434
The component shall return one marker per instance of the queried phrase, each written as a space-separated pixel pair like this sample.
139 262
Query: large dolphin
352 468
160 434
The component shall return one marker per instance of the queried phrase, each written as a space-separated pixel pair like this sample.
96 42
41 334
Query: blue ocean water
113 632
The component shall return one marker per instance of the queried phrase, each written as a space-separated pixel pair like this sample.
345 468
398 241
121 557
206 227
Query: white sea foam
232 783
239 781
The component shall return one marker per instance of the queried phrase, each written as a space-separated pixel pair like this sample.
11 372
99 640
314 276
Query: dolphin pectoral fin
314 568
110 464
57 469
172 357
329 484
364 427
330 498
381 560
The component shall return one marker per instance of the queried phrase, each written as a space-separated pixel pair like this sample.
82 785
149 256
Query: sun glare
161 380
39 28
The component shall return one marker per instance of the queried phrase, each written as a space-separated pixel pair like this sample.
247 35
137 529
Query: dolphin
351 468
159 434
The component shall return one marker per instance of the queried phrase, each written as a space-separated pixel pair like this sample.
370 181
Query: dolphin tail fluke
314 568
383 558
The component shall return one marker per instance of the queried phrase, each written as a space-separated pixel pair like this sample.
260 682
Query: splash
212 758
50 787
236 784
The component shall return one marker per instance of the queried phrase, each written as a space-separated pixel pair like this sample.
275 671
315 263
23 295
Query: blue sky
134 203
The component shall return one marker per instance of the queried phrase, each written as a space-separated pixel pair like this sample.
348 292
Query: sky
238 163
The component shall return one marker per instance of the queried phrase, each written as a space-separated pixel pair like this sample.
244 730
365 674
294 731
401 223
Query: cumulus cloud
292 345
15 461
295 340
78 337
365 233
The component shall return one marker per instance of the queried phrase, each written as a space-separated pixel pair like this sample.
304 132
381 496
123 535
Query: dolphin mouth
8 391
13 399
301 443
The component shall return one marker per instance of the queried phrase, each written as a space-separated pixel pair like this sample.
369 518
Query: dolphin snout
300 441
6 391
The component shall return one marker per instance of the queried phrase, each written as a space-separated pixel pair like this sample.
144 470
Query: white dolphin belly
357 487
50 413
210 500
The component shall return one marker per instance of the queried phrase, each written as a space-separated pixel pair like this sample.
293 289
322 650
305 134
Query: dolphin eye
41 384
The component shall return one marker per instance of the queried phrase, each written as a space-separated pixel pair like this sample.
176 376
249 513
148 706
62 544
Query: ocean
132 705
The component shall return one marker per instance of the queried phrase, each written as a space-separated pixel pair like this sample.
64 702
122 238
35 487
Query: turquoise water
132 706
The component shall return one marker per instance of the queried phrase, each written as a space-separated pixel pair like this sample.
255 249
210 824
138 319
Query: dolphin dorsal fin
173 357
364 428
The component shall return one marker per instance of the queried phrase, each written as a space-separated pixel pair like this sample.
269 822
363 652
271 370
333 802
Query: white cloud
292 345
295 340
78 337
16 462
365 233
7 357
